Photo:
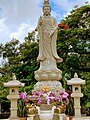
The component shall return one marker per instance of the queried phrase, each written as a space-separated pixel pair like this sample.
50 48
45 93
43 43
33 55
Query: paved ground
85 118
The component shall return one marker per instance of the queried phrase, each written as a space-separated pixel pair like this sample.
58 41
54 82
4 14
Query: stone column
13 96
13 109
77 106
76 94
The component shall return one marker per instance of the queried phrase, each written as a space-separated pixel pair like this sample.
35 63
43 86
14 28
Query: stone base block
17 118
62 117
46 116
55 86
78 118
45 75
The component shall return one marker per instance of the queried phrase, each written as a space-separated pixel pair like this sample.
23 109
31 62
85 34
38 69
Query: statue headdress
46 3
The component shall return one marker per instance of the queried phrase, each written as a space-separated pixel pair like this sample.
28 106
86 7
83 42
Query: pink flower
61 93
25 100
38 93
39 100
64 94
58 99
51 94
23 95
67 100
51 98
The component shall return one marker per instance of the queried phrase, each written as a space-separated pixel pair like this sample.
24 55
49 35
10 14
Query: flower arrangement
62 99
22 112
50 97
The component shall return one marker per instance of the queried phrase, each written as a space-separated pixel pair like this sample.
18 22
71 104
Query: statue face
46 10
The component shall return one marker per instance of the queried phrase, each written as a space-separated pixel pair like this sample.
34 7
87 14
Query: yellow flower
46 89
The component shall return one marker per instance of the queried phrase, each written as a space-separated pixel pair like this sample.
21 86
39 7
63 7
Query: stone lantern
13 96
76 94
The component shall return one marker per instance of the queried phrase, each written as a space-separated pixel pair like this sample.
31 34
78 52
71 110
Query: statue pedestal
46 116
48 75
55 86
46 112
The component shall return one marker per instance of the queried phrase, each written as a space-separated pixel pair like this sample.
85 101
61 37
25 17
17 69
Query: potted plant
61 101
22 112
70 108
88 108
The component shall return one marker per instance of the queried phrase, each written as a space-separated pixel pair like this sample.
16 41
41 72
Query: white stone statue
48 58
47 29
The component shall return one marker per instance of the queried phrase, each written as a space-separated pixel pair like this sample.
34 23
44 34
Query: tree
21 59
74 47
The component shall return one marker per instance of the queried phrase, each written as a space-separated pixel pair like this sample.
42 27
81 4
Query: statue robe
47 44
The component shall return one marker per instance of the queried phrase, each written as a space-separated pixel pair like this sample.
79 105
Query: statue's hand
51 33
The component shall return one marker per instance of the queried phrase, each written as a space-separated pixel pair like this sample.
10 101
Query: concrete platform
85 118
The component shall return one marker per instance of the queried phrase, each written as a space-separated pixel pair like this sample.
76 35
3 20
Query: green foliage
20 59
5 105
70 107
22 112
74 47
78 17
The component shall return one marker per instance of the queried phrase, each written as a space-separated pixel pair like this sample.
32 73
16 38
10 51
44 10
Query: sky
18 17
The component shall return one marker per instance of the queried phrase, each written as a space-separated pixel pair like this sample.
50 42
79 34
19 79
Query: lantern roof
14 83
76 80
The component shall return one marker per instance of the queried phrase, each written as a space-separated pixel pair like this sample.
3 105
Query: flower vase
60 109
71 117
63 110
57 110
23 118
32 111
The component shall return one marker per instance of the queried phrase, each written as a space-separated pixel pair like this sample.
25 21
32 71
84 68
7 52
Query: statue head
46 8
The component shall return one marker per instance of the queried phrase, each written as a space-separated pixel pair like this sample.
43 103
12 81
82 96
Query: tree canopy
74 46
